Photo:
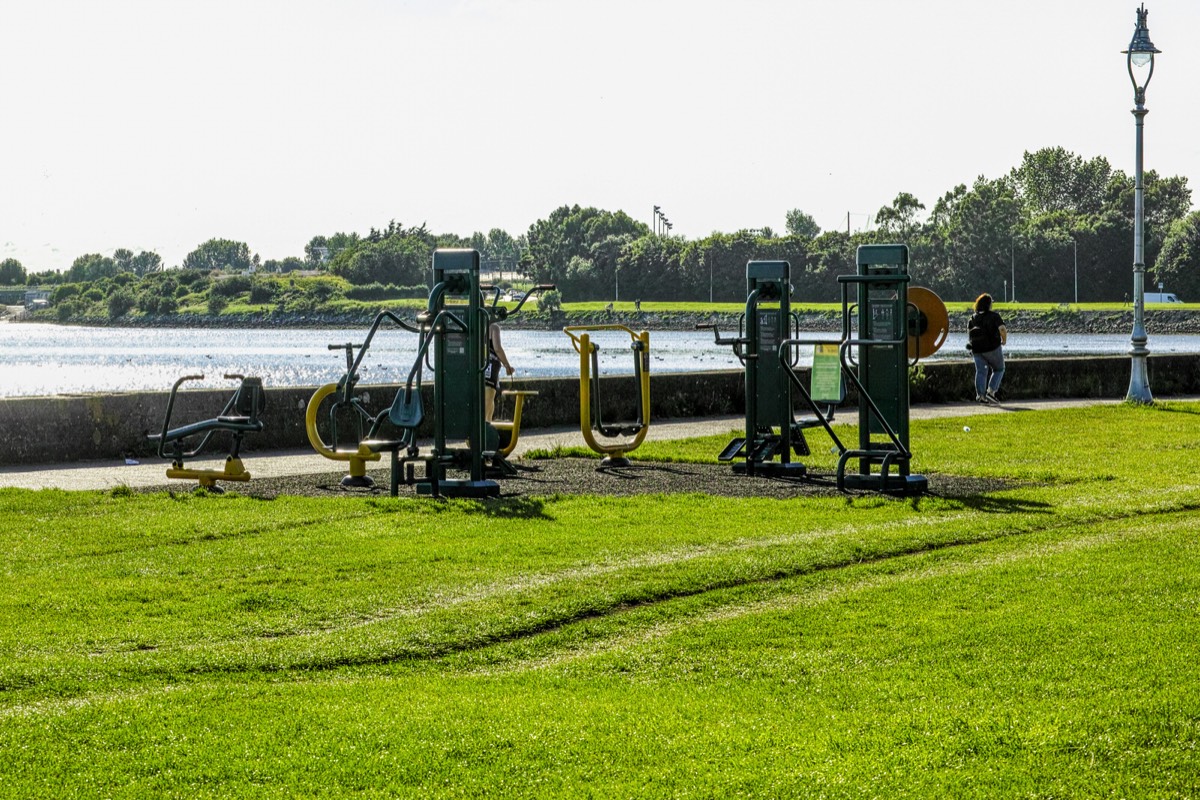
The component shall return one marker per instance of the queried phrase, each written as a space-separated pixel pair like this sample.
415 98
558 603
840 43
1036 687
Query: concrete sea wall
59 429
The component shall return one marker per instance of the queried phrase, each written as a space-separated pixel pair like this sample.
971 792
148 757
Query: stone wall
39 430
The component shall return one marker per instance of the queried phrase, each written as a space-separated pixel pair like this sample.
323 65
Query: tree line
1025 235
1054 222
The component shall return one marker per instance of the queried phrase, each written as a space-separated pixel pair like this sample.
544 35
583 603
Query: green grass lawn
1038 641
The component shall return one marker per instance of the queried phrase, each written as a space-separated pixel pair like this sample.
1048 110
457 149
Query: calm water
40 359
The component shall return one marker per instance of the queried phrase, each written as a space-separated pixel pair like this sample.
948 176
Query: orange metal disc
928 328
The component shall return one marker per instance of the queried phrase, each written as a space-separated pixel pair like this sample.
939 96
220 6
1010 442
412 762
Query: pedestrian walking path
150 472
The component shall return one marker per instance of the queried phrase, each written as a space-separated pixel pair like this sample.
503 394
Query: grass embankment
1037 641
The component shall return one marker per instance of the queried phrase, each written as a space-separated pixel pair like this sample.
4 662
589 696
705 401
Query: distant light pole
710 276
1139 60
1012 262
1075 244
661 224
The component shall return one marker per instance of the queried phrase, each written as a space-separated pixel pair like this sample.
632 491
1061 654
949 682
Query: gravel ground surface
578 476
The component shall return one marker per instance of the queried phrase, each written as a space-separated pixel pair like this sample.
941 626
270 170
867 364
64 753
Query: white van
1162 297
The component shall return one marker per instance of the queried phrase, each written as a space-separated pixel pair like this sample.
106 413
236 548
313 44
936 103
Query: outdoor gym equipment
896 326
509 431
241 415
886 327
453 332
771 429
591 420
404 414
457 322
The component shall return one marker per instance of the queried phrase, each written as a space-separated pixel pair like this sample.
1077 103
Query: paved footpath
151 472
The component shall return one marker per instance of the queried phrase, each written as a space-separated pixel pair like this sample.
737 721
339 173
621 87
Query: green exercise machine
886 327
891 333
772 431
453 346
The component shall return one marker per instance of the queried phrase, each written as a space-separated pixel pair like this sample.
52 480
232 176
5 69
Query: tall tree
220 254
900 218
145 263
123 259
11 272
91 267
399 259
142 264
973 246
802 224
1178 265
571 231
1054 179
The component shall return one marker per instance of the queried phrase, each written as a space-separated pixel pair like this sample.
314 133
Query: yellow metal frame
234 471
357 458
584 346
513 426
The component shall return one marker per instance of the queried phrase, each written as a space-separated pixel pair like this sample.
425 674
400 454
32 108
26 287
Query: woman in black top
496 358
985 336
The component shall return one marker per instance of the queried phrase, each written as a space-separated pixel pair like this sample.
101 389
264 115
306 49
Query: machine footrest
460 488
763 449
613 431
733 449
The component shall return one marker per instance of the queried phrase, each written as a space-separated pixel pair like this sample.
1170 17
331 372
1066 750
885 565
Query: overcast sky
158 125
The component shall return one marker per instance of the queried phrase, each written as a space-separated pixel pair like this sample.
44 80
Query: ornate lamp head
1139 58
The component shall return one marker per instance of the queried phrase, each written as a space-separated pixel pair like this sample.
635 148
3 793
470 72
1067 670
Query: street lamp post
661 224
1075 244
1012 263
1139 60
710 276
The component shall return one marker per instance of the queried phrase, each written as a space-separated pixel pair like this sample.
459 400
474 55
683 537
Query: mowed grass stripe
545 601
1035 641
639 625
985 673
274 601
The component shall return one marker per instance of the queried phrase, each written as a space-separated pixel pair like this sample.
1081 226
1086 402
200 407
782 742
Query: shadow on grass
1003 505
511 507
1171 408
974 493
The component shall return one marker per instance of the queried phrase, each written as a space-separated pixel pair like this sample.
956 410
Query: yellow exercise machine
241 415
356 457
367 426
509 431
590 419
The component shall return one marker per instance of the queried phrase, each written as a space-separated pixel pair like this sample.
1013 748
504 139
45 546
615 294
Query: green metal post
460 357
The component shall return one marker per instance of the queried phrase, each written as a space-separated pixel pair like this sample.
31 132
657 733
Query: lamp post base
1139 382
